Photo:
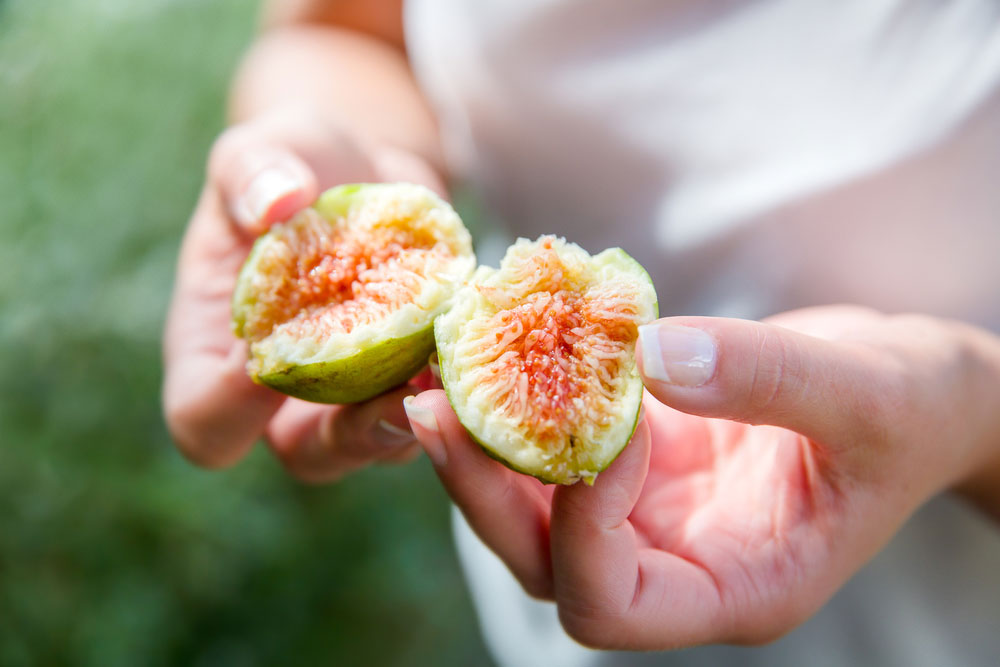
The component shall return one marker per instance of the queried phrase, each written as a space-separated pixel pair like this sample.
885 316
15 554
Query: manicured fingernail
389 435
426 420
683 356
263 191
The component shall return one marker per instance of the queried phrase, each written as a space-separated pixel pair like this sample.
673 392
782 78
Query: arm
325 96
345 61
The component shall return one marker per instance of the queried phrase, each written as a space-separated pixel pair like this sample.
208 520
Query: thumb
260 182
761 373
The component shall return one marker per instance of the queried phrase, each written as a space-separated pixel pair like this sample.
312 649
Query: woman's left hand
790 453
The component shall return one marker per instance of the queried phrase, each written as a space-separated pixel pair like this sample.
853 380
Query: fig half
538 357
339 302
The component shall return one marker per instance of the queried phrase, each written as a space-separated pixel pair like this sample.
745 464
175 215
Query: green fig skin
358 378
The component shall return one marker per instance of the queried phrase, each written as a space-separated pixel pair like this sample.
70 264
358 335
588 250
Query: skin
740 506
347 110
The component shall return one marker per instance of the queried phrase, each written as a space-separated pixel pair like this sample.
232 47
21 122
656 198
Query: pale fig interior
543 365
318 280
318 289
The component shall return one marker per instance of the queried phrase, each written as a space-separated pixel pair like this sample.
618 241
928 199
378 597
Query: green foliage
113 550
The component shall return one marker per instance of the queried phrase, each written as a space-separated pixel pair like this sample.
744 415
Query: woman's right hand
261 172
774 460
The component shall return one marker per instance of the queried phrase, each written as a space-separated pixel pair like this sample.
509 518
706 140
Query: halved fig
339 302
538 357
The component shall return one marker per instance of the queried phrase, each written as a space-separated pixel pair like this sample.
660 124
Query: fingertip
273 194
671 353
261 182
460 461
610 500
435 401
284 206
509 511
420 411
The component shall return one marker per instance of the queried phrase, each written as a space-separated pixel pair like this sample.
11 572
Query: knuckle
589 626
307 468
923 362
235 145
775 367
318 459
226 146
537 586
893 401
185 423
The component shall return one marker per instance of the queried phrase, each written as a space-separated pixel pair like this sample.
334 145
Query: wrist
347 77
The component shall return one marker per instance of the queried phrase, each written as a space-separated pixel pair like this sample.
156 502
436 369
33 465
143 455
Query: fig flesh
338 303
538 357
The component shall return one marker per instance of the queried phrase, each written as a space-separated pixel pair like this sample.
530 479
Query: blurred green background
114 550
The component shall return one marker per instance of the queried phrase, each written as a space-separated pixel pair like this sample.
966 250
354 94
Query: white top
755 156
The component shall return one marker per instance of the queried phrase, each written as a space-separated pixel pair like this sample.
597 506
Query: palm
750 505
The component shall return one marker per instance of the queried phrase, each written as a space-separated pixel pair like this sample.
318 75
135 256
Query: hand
803 445
259 173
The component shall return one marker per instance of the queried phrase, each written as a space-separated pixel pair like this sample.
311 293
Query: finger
405 455
395 165
594 547
260 180
509 511
213 410
830 391
278 164
612 591
320 443
258 173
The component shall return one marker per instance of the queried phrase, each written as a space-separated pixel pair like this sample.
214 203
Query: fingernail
426 420
389 435
683 356
262 192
